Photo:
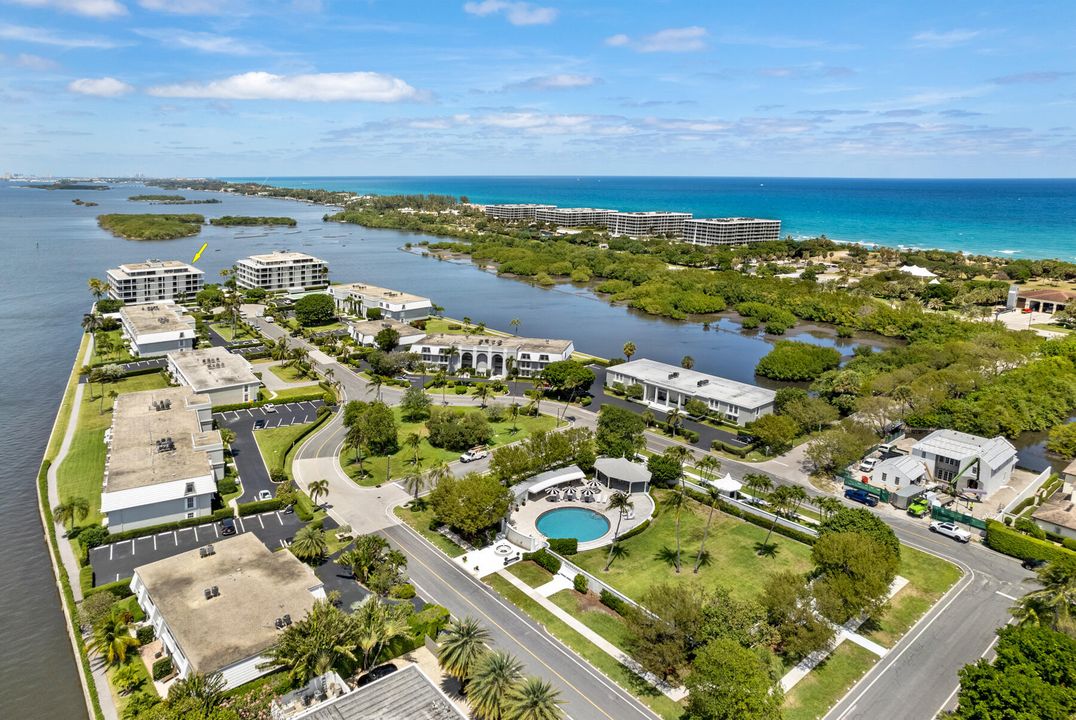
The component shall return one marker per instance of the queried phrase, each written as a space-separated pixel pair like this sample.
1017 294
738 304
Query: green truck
918 507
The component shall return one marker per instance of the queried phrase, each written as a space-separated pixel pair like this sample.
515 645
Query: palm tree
1055 602
677 499
112 638
318 489
309 543
534 699
76 508
713 495
279 349
378 624
104 344
539 391
376 381
366 555
98 287
515 322
513 412
325 639
482 391
629 349
462 644
356 440
492 680
829 505
91 322
620 502
438 472
440 379
687 362
648 418
207 690
758 484
672 419
414 441
413 484
781 501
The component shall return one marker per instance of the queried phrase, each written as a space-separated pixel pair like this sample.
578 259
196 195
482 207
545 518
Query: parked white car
867 465
473 454
950 530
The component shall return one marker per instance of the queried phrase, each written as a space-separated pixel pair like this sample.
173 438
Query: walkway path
674 694
274 382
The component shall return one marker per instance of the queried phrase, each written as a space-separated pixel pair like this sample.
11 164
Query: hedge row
318 395
613 602
259 506
730 509
1018 545
1023 505
564 546
722 446
215 516
545 559
121 589
634 531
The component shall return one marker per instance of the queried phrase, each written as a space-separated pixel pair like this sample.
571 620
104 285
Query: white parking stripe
242 525
132 546
155 543
110 549
216 530
280 519
175 537
261 522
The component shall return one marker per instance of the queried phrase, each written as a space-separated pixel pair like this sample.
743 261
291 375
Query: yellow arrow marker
200 251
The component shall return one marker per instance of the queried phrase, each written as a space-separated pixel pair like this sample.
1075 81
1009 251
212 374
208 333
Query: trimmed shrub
1018 545
403 591
93 536
564 546
545 559
227 486
613 602
634 531
120 589
146 635
1028 527
162 668
580 583
690 435
259 506
460 390
1023 505
1069 543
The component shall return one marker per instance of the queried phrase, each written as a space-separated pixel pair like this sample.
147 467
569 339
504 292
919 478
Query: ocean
1008 218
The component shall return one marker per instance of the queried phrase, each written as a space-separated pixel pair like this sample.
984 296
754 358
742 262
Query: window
190 503
190 515
189 489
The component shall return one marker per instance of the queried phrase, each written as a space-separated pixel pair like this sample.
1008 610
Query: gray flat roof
406 694
213 368
256 586
691 382
135 460
381 293
622 469
155 317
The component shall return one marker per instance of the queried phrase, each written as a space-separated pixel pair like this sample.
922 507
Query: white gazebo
726 484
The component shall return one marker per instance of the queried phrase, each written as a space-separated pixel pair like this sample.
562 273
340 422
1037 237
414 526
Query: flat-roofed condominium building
730 231
154 280
642 224
667 387
492 354
282 271
514 211
163 459
225 378
575 217
157 328
358 298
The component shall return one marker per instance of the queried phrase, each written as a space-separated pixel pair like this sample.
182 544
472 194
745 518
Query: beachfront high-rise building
649 223
730 231
575 217
154 280
282 271
514 211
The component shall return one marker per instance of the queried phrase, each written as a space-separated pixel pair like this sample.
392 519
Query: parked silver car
950 530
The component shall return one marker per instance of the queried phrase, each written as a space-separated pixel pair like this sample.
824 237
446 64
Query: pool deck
525 518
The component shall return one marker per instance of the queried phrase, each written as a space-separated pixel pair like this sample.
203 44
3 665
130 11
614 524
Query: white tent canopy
727 484
552 478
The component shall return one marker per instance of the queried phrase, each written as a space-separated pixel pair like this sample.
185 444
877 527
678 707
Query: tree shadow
766 549
667 555
706 560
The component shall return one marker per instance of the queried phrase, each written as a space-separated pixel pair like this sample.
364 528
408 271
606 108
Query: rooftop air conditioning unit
673 375
700 383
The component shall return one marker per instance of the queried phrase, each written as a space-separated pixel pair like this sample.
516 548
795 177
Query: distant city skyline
550 87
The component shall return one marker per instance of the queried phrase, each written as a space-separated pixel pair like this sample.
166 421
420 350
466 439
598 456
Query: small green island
68 186
247 220
172 200
84 203
150 226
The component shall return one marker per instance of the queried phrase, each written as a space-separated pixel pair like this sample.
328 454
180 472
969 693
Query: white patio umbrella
727 484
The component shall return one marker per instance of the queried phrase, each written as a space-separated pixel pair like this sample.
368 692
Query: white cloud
41 36
687 39
517 13
35 62
101 87
191 7
317 87
201 41
89 8
562 81
943 40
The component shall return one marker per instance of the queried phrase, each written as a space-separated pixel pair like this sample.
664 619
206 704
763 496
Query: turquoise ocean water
1014 218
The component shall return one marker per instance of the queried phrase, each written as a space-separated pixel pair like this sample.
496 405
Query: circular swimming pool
582 524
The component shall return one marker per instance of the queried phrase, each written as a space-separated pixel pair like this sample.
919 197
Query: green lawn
274 443
224 329
437 326
419 520
289 373
63 415
929 578
588 610
617 672
83 469
734 563
530 573
815 694
119 353
288 394
376 467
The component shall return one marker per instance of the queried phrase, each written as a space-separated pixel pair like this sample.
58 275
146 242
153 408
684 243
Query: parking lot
118 560
248 460
159 362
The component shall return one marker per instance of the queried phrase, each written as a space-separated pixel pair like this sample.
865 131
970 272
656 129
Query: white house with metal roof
667 387
900 471
981 465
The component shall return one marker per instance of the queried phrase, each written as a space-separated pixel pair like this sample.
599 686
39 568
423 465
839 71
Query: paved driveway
118 560
248 460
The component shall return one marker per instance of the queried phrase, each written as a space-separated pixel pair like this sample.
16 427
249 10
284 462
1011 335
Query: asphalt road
248 459
118 560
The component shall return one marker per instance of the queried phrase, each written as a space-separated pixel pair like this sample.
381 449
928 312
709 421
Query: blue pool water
573 522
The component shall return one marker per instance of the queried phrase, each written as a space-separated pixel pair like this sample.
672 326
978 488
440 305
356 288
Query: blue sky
447 87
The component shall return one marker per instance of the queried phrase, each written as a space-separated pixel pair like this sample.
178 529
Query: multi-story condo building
358 298
517 211
365 332
979 465
157 328
220 607
154 280
650 223
163 459
667 387
492 354
225 378
575 217
281 271
730 231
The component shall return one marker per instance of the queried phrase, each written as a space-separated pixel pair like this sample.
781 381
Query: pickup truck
861 496
474 454
918 508
950 530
